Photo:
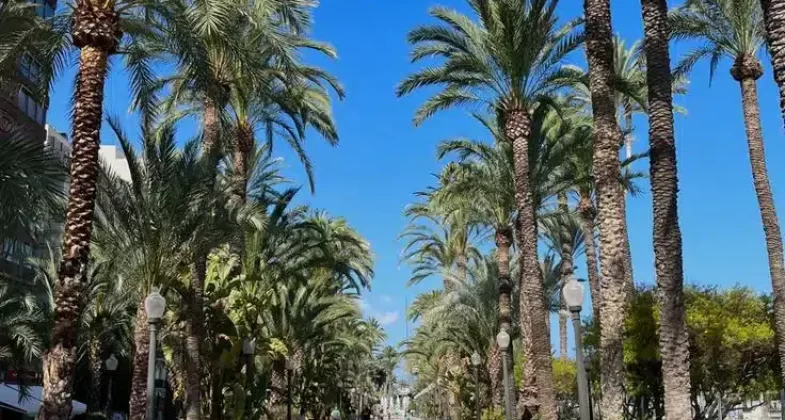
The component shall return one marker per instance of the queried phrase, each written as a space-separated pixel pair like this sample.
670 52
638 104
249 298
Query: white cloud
385 299
364 306
387 318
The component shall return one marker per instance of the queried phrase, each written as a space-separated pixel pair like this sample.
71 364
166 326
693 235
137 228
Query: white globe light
154 306
503 340
573 292
476 359
249 346
111 363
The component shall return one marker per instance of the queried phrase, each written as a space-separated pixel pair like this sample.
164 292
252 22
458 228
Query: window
29 69
30 107
43 8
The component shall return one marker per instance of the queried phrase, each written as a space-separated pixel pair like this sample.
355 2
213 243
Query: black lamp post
154 306
288 389
249 348
111 366
573 293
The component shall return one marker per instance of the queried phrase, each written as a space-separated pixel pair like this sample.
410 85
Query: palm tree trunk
60 359
503 244
610 207
138 401
193 341
567 271
674 339
211 126
95 362
495 371
538 396
241 155
562 329
746 71
774 16
586 211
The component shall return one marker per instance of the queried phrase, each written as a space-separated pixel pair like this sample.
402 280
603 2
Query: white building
112 157
57 142
114 160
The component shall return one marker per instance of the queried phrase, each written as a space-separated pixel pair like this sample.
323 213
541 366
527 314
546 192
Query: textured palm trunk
240 158
587 212
211 127
746 71
211 132
138 400
610 207
94 31
95 362
562 329
494 367
567 271
674 339
537 395
503 244
774 16
193 342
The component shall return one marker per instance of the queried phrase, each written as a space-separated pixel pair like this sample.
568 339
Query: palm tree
561 232
151 227
22 340
735 30
610 205
96 30
674 340
31 190
774 18
507 61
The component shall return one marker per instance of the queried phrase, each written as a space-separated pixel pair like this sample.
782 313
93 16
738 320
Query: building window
29 69
43 8
30 107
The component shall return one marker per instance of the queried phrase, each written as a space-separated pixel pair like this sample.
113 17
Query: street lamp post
154 306
503 341
111 366
288 388
573 292
249 348
476 361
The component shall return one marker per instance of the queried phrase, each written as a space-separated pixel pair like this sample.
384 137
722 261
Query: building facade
19 109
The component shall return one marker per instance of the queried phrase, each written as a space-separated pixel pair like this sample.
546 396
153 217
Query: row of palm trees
553 174
207 221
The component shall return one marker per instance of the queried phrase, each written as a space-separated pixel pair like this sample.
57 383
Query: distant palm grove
263 316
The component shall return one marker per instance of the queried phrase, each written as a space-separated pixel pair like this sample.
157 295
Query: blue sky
382 159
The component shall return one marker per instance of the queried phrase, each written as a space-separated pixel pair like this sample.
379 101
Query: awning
9 399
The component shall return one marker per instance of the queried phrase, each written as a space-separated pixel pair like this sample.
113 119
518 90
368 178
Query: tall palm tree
96 30
505 60
151 227
561 232
610 205
735 30
438 239
774 18
674 340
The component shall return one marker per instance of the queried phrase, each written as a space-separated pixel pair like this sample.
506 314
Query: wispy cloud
386 298
384 317
388 318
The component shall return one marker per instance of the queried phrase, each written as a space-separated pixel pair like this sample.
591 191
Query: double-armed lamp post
573 292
